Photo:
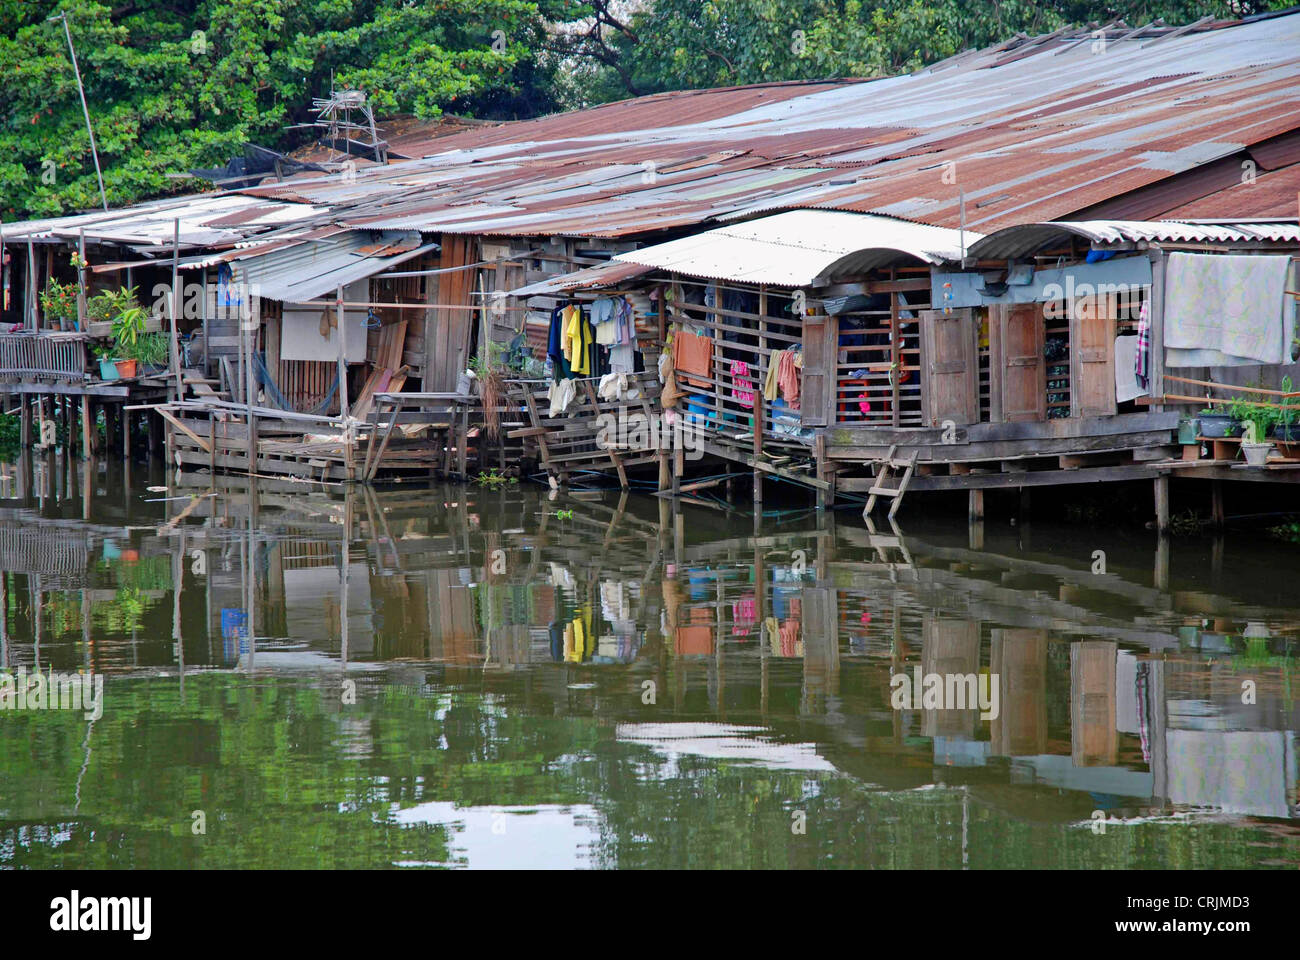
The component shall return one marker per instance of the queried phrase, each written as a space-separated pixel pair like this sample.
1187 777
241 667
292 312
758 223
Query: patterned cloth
1142 358
1227 310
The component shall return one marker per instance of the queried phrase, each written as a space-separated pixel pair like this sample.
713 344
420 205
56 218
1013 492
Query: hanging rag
787 377
561 395
739 372
693 355
770 384
613 386
671 392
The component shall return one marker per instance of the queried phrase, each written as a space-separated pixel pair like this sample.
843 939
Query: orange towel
692 354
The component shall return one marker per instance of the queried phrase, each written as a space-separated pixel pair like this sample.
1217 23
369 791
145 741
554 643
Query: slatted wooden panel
817 389
949 385
304 383
1092 356
43 356
1018 370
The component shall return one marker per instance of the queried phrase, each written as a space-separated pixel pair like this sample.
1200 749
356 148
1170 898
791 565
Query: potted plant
1255 417
1216 423
107 365
59 302
128 329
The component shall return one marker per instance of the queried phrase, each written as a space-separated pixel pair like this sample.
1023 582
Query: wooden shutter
817 380
1019 372
949 368
1092 356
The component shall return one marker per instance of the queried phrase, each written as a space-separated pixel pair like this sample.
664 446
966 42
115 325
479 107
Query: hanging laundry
693 355
787 377
561 395
555 346
622 358
624 322
1142 353
770 383
671 392
739 372
581 343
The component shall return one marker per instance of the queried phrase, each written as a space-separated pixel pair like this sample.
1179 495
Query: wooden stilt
975 506
25 422
1162 503
1217 517
85 428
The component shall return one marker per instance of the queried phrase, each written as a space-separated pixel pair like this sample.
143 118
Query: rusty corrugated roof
1032 129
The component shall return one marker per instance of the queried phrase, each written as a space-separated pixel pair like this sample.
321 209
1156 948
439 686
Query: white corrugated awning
1025 239
803 247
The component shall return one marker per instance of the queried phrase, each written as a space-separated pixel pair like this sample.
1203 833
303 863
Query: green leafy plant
1252 410
153 348
494 479
59 300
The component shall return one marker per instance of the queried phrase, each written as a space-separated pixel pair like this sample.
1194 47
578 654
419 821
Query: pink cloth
740 371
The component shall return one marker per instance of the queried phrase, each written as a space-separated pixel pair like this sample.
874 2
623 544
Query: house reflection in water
1128 693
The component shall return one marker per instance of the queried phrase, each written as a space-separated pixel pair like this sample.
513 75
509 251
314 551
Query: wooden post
975 506
249 323
85 428
1156 314
32 317
126 435
24 422
82 318
343 389
1216 504
1162 504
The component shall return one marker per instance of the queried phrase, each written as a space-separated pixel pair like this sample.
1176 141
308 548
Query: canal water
452 676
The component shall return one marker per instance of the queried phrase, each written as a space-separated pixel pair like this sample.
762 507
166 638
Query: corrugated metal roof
1027 239
304 271
604 275
1030 130
803 246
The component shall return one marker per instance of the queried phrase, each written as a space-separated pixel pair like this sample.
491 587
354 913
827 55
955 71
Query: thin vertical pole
84 109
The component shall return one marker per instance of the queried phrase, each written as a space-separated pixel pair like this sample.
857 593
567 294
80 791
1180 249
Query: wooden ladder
887 467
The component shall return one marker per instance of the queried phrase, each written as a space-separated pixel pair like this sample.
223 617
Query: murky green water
514 681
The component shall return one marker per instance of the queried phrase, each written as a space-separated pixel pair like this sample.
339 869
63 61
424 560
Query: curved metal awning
1024 240
803 247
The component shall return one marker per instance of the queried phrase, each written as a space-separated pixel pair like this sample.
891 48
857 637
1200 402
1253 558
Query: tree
676 44
178 84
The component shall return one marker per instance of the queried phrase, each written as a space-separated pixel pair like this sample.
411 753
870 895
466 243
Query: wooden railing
43 356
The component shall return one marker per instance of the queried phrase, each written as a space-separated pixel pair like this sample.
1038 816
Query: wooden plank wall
448 337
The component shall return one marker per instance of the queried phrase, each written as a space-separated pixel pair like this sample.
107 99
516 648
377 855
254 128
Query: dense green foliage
178 84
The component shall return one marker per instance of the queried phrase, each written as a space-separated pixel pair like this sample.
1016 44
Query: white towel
1126 381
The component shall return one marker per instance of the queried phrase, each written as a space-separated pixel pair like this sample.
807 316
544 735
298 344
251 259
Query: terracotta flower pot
127 368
